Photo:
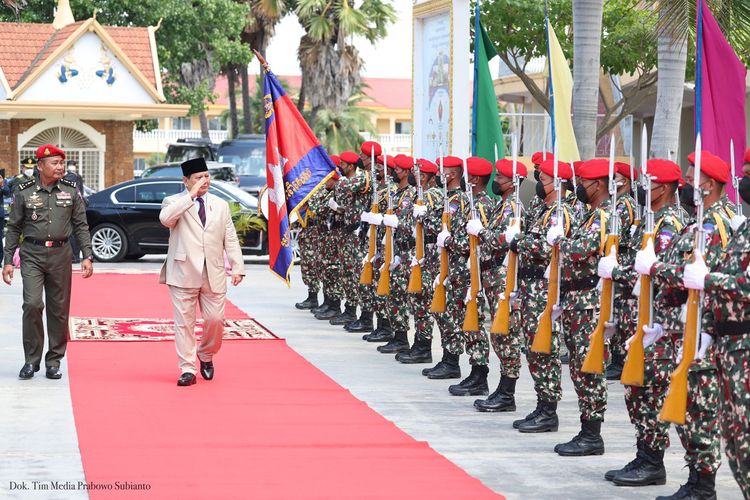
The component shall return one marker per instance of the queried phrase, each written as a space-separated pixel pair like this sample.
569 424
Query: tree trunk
672 61
587 36
204 124
301 97
246 119
232 90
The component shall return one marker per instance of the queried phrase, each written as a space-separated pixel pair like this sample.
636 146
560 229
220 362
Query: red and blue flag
296 165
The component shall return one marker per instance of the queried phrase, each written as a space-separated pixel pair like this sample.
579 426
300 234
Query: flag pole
263 62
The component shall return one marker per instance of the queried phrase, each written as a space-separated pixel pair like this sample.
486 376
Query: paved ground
485 445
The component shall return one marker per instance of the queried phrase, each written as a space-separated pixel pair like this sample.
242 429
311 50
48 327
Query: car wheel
109 243
294 233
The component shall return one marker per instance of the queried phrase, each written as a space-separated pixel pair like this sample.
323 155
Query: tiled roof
23 46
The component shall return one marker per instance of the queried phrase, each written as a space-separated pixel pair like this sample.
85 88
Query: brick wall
118 159
9 130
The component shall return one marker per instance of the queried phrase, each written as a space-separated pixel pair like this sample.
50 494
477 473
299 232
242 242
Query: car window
247 200
188 152
221 194
248 158
156 192
175 171
126 195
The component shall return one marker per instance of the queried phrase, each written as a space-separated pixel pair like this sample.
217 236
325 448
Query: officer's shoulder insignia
26 184
68 182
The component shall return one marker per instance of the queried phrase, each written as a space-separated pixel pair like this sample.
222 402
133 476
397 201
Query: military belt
729 328
583 284
46 243
531 273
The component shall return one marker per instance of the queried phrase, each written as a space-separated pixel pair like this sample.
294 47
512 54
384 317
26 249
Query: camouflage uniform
644 403
626 305
727 290
330 247
309 244
403 243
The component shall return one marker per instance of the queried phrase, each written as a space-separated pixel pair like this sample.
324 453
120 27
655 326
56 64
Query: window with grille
78 148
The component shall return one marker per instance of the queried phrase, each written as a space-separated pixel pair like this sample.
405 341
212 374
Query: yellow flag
562 88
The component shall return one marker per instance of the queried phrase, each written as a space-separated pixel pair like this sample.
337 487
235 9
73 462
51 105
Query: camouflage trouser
626 315
451 321
397 301
333 282
545 369
366 293
352 267
700 434
733 358
644 403
578 325
309 258
420 302
506 347
476 343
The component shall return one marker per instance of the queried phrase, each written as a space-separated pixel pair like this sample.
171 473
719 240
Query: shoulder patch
68 182
26 184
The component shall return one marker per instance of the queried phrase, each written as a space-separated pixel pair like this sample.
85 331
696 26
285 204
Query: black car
124 219
187 149
218 171
248 155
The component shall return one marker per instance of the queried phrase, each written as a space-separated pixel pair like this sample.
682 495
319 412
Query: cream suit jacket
191 245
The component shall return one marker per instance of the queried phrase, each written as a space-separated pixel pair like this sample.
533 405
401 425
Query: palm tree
330 64
340 130
587 36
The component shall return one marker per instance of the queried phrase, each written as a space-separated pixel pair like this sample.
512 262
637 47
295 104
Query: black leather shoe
610 474
473 385
615 366
363 324
587 442
207 370
330 313
502 399
27 371
322 307
420 352
186 379
545 420
381 335
533 414
310 302
53 372
426 371
399 343
349 315
685 490
447 368
650 470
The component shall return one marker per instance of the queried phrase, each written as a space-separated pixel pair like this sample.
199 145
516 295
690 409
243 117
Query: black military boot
530 416
473 385
610 474
310 302
614 368
322 307
545 420
502 399
420 352
363 324
381 322
399 343
649 471
384 332
704 487
587 442
349 315
686 489
447 368
334 309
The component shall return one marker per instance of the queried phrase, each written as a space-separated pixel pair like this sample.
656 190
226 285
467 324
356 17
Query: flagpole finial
262 61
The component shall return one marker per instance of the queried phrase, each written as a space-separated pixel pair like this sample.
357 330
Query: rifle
501 322
675 404
594 361
384 282
632 372
471 319
415 278
438 298
634 194
543 336
735 182
366 277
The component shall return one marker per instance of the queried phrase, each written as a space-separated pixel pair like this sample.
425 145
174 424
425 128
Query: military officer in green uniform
47 210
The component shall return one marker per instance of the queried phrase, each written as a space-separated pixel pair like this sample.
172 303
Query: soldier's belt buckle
49 244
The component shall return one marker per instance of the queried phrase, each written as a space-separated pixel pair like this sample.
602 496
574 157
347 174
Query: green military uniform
626 304
46 218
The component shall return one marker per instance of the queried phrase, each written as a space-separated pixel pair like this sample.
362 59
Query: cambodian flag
296 164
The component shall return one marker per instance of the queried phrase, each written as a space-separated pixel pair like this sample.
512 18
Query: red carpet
270 425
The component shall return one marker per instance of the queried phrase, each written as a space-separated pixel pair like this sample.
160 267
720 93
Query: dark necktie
202 211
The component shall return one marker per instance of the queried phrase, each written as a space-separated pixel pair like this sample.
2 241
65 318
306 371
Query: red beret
427 166
350 157
49 150
478 166
538 157
593 169
404 162
391 160
563 169
368 146
576 165
505 167
747 156
712 166
451 162
663 171
336 159
624 169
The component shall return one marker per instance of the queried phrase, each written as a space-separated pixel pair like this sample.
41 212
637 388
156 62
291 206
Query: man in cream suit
201 230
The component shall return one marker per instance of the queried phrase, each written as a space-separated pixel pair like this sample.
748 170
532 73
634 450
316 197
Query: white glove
556 312
436 282
737 221
652 334
419 211
706 341
633 229
555 233
695 273
511 232
395 263
365 217
333 205
637 287
467 299
607 265
645 259
390 220
441 237
365 260
415 262
547 271
609 330
474 227
629 341
376 219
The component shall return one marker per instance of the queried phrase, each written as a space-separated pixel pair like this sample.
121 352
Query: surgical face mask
29 172
581 194
744 189
540 191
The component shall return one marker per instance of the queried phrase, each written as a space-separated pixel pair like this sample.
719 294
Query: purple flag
719 92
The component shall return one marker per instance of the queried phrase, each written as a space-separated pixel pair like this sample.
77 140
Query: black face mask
686 197
536 175
463 184
641 195
568 185
744 189
439 181
496 190
394 177
412 179
540 191
581 194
